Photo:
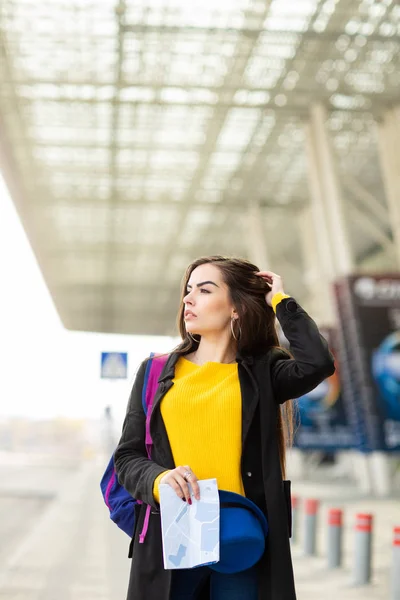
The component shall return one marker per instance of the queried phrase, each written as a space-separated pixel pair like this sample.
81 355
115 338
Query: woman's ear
235 314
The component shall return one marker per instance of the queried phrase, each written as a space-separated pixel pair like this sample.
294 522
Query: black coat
266 381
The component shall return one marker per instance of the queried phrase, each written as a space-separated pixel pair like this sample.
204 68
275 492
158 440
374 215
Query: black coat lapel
157 427
250 395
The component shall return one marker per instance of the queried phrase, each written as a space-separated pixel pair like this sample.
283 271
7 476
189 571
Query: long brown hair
257 322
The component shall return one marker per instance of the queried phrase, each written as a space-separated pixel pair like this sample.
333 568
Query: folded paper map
190 534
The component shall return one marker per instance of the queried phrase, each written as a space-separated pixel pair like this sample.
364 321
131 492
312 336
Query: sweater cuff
276 298
156 492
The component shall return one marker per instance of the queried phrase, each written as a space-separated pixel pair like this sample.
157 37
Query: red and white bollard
295 507
310 526
335 521
363 549
395 588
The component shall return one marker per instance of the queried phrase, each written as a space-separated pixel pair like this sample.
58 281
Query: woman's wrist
156 483
276 298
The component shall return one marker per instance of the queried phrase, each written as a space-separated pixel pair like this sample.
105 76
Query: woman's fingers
179 479
193 482
184 487
275 283
178 484
268 274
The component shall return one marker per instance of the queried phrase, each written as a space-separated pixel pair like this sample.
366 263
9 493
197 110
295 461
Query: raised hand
276 283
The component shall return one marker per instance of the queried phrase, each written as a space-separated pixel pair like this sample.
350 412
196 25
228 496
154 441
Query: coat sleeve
135 471
312 362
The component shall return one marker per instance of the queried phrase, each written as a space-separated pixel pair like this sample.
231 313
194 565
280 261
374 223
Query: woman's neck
214 352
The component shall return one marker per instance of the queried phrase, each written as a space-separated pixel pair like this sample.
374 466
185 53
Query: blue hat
243 529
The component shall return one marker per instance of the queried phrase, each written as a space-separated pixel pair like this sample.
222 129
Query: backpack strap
154 369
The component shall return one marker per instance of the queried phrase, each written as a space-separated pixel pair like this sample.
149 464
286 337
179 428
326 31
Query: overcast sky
45 370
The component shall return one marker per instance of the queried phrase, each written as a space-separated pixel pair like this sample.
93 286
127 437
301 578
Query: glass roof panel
168 110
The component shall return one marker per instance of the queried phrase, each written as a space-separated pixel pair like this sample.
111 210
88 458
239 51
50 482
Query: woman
219 412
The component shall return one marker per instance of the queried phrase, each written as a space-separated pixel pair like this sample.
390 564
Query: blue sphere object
386 373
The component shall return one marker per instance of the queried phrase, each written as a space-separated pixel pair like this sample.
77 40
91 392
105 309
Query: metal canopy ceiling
134 135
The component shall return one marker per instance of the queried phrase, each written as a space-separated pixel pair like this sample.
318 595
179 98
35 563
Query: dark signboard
369 356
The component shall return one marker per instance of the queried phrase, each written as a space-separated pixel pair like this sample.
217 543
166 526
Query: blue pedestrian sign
114 365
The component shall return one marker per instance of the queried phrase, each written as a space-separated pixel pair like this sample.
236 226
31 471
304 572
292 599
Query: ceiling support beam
253 32
372 229
368 200
109 254
236 67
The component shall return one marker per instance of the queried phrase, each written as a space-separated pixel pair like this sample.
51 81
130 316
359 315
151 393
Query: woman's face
208 308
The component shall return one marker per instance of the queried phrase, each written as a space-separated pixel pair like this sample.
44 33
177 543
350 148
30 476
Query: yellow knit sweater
202 414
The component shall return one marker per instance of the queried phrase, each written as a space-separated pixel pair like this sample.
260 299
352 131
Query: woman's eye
202 290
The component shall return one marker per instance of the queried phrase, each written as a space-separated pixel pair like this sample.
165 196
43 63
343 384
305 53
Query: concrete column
381 468
389 154
316 277
329 197
255 237
333 251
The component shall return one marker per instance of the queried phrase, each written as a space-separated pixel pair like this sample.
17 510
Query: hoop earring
192 337
240 329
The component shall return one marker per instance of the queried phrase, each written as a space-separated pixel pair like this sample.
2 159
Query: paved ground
56 542
313 579
69 550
